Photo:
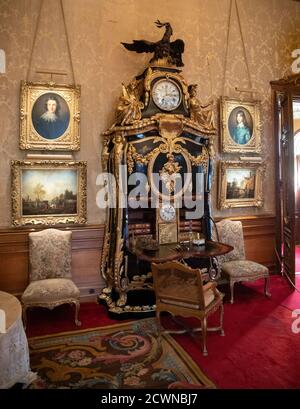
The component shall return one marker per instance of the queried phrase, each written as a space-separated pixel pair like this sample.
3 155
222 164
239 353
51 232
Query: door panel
287 184
297 201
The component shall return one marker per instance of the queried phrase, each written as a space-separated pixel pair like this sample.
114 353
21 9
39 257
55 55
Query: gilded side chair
234 265
180 290
50 276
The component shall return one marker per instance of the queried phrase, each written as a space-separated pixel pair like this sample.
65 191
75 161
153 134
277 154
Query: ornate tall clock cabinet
161 129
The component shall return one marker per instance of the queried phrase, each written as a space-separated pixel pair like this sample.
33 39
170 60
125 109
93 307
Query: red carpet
43 322
259 349
298 259
281 290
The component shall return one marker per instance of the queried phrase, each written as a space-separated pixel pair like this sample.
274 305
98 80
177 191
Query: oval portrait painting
50 115
240 125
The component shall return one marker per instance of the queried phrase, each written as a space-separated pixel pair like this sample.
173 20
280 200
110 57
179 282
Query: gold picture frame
240 125
45 192
240 184
49 116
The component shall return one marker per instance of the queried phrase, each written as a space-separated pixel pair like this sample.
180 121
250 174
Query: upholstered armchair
179 290
234 265
50 272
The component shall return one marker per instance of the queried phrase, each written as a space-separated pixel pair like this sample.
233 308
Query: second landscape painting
240 184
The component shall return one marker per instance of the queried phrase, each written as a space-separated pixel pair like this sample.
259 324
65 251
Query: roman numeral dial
166 95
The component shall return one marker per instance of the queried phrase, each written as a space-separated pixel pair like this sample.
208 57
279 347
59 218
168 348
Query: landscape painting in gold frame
48 192
240 184
49 116
240 125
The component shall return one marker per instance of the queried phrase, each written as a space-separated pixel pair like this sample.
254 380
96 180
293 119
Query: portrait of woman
50 116
240 125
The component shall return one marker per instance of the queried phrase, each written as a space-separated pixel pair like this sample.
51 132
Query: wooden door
297 201
287 189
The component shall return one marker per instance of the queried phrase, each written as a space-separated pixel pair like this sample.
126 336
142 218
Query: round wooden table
171 252
14 353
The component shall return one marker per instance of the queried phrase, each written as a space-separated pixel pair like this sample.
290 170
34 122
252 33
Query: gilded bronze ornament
129 107
202 114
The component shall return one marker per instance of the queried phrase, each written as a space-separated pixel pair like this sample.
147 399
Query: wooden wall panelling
87 241
259 236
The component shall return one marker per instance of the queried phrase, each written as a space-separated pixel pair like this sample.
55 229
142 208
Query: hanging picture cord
248 90
227 46
44 71
67 38
34 39
210 76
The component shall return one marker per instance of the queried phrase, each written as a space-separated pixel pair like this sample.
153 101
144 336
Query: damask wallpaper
271 30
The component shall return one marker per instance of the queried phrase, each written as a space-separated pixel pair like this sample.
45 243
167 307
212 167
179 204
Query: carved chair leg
231 290
24 316
204 330
221 320
77 307
267 284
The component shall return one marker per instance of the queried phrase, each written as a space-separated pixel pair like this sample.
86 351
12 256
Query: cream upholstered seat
180 291
50 272
234 265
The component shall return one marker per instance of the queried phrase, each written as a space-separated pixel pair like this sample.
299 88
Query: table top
12 307
170 252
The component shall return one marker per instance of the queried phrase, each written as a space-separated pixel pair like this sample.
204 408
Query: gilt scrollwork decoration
167 146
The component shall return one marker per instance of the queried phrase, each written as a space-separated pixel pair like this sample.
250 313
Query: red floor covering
259 349
281 290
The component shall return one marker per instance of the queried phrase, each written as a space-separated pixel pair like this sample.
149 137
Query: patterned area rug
126 355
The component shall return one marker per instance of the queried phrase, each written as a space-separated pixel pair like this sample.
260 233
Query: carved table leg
204 330
221 320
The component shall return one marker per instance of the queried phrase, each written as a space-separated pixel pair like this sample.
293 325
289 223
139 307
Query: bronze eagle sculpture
163 49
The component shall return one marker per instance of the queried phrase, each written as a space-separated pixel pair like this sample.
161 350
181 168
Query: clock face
166 95
167 212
